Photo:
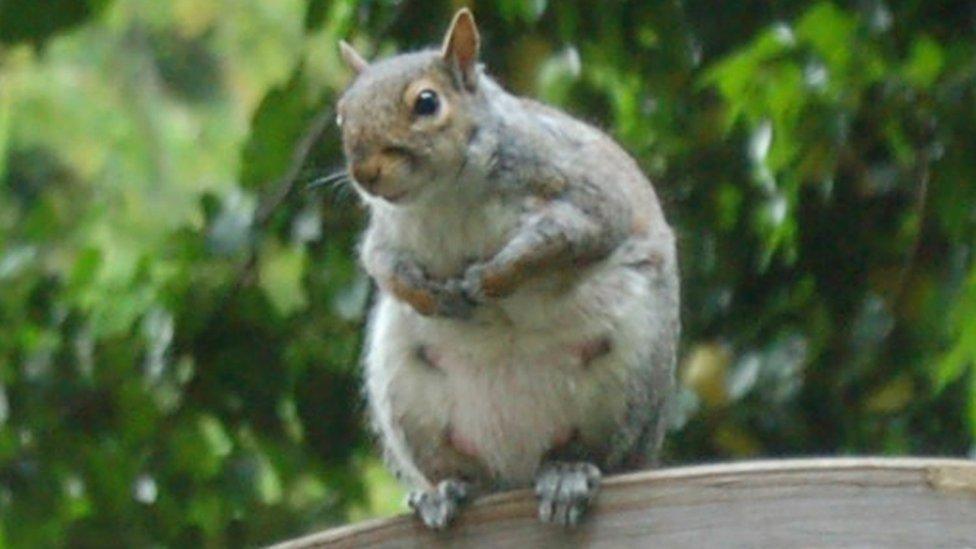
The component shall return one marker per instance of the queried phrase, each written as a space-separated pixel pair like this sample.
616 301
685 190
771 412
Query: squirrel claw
565 490
437 508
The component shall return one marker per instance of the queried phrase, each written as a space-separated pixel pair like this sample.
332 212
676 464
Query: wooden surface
846 502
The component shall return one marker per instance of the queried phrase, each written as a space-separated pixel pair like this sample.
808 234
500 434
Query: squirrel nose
366 173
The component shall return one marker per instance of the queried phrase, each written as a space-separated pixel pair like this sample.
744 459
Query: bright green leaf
282 269
924 63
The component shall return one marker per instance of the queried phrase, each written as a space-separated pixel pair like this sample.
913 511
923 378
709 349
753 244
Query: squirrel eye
427 103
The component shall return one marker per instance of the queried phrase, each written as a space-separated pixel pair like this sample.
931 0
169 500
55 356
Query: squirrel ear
352 57
461 47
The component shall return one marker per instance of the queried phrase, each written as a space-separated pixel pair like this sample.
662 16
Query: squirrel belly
584 370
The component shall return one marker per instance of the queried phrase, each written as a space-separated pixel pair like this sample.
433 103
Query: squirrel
525 327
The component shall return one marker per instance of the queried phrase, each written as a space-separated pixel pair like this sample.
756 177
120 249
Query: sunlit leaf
281 272
924 63
831 32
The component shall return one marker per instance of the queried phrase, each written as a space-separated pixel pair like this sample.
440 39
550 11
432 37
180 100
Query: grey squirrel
526 323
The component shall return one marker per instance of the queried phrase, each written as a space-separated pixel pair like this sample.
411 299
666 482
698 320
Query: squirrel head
406 121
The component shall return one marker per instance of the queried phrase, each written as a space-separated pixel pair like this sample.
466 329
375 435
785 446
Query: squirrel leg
565 490
559 236
406 280
438 507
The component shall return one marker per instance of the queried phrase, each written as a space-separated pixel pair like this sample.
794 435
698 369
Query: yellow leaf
891 397
705 370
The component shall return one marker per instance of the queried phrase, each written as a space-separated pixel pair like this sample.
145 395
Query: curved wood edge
939 474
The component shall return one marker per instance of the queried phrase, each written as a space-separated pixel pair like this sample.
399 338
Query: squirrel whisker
338 178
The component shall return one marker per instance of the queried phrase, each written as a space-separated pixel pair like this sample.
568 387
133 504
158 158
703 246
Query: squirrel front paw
437 508
565 490
430 297
452 301
484 281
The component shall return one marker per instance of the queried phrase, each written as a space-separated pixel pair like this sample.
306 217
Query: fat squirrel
526 323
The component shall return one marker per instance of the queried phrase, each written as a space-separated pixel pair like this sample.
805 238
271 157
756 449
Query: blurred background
180 319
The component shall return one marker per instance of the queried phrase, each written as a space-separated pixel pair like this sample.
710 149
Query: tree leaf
924 64
276 127
35 21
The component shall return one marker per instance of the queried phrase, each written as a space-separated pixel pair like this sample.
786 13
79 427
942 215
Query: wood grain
845 502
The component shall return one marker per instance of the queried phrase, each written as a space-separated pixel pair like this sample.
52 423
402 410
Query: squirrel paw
438 507
565 490
483 282
452 301
472 285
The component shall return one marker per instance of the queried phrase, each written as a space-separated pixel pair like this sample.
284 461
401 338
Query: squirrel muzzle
367 174
381 173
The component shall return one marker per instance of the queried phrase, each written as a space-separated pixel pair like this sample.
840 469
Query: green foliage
280 118
181 320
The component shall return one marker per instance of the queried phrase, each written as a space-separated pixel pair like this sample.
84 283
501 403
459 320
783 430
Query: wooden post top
838 502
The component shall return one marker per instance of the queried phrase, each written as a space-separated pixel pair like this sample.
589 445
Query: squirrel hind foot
565 491
437 508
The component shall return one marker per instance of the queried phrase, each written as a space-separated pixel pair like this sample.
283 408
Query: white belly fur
507 381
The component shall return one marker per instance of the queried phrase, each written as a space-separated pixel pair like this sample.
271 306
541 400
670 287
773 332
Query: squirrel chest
446 235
